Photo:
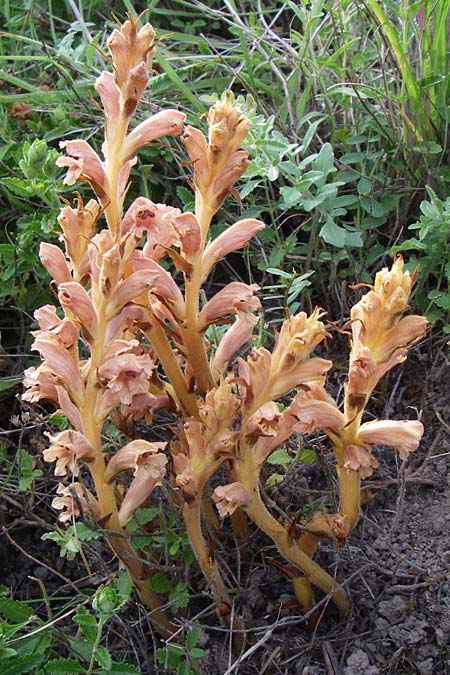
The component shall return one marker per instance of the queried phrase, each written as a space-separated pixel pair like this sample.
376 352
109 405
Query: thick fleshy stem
192 336
105 492
158 338
316 575
192 513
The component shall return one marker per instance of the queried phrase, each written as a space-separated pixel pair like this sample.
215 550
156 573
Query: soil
395 565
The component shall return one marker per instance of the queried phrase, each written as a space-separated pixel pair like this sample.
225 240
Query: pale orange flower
233 238
40 383
165 123
55 262
235 295
127 457
218 163
230 497
264 422
149 472
66 448
235 337
161 283
75 498
59 361
75 298
130 47
78 228
64 329
404 435
125 375
84 164
359 461
189 232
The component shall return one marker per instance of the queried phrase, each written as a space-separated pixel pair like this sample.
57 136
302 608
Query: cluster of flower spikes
126 321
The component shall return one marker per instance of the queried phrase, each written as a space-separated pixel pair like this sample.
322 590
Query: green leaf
193 635
179 596
123 669
275 479
364 186
307 456
9 382
27 474
103 658
106 601
15 611
280 457
197 653
184 669
333 234
18 186
84 533
87 623
7 652
22 664
59 421
64 667
160 583
442 300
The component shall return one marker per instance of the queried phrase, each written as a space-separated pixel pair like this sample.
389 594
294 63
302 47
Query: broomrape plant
131 340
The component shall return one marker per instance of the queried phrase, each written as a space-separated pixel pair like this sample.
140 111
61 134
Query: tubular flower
254 375
235 237
58 360
290 365
218 163
40 383
64 329
55 262
228 498
359 461
380 337
161 283
264 421
124 375
404 435
75 499
165 123
219 409
74 298
130 47
127 457
302 416
235 337
66 448
189 232
232 297
78 228
184 475
154 219
85 165
150 469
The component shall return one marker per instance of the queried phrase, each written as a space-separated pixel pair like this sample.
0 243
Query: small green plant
183 659
30 644
432 256
35 183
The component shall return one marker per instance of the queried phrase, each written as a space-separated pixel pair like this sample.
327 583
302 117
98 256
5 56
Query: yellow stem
105 492
316 575
158 338
193 337
350 499
192 517
113 209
